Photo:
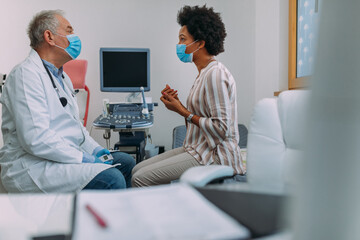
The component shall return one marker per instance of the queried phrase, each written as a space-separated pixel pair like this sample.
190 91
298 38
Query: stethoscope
63 100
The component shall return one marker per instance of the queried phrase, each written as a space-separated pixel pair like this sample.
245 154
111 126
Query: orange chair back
76 69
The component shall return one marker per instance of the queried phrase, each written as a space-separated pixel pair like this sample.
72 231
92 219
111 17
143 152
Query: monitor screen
124 69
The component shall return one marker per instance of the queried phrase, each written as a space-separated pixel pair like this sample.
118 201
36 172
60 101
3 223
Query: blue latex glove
97 160
87 158
99 151
110 162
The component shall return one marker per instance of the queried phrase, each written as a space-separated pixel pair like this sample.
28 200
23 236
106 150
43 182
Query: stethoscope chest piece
63 101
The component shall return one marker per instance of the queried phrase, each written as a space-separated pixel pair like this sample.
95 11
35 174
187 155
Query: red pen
99 219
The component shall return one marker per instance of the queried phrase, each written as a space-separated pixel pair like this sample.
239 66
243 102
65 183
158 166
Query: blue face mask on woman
74 47
180 51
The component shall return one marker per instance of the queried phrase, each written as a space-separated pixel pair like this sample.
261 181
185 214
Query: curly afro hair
204 24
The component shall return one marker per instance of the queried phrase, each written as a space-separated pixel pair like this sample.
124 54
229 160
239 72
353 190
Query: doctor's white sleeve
30 108
89 144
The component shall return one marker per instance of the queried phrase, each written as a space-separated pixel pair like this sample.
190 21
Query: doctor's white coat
43 141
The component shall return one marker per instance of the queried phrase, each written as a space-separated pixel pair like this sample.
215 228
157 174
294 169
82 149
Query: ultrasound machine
126 70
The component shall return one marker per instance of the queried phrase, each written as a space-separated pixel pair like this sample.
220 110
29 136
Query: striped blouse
213 98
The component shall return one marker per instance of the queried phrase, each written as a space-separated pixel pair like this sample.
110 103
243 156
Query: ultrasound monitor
124 69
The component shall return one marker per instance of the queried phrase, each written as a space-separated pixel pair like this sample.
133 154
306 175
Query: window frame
293 81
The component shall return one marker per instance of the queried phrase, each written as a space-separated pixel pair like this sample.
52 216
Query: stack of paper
166 212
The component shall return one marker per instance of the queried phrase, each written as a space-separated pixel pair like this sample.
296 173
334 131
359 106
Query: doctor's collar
54 70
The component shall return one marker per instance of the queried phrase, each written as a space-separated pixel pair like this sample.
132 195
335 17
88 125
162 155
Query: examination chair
179 134
76 70
225 175
274 147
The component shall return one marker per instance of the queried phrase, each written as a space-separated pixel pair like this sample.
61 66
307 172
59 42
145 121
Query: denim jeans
118 177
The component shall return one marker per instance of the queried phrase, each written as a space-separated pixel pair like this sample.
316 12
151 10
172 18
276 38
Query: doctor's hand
87 158
99 151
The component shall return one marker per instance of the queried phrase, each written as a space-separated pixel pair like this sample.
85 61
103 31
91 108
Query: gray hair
42 21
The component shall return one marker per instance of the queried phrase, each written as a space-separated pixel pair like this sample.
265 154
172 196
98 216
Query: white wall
152 24
271 47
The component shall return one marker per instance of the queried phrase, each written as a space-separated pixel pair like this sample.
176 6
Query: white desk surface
23 216
151 213
163 212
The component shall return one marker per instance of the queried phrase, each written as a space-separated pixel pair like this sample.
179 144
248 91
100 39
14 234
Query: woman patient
211 114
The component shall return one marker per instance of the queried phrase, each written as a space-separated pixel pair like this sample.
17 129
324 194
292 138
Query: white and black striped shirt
213 98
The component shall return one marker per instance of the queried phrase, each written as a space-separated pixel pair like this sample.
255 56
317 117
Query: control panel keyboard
124 115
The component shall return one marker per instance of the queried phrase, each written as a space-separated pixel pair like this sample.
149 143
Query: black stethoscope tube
63 100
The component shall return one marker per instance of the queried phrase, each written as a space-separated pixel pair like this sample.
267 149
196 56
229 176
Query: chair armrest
201 175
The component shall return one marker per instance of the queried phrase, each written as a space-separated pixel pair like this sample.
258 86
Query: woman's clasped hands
170 98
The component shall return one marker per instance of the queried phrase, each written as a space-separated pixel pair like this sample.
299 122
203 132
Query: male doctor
46 148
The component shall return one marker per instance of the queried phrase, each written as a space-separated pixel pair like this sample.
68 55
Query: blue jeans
118 177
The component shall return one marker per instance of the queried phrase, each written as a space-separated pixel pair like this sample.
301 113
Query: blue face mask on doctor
180 51
74 47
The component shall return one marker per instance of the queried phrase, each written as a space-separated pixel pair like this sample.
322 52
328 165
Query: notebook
174 211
